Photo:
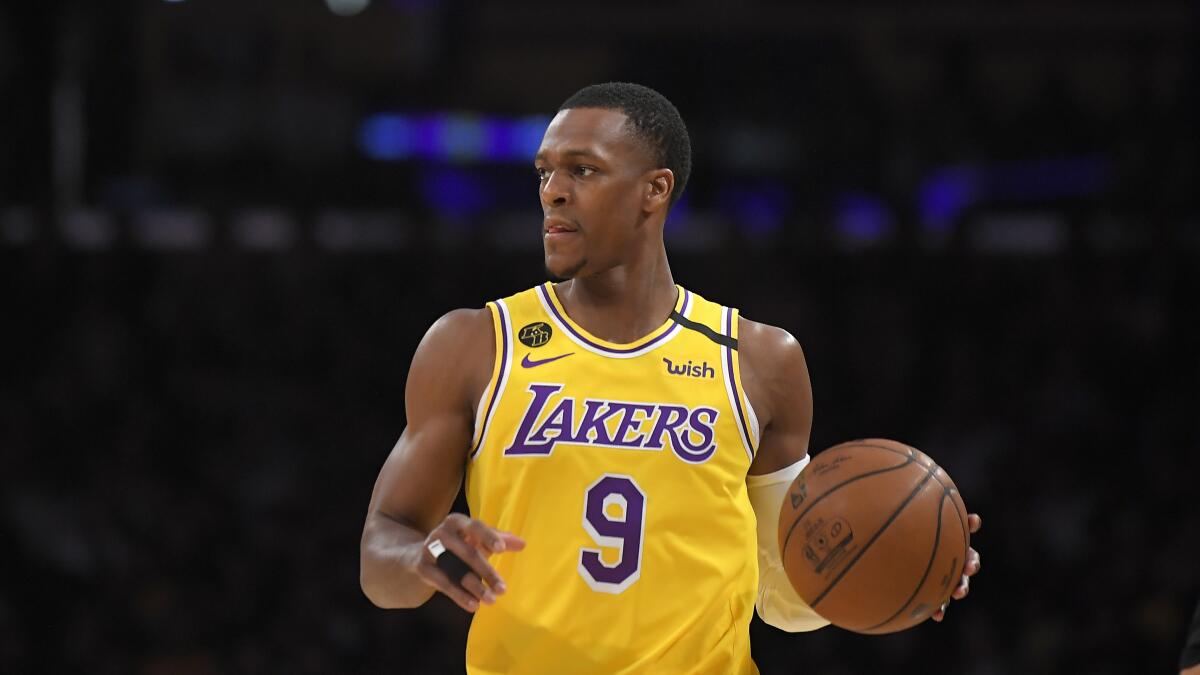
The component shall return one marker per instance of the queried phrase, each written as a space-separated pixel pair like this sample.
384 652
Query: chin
561 270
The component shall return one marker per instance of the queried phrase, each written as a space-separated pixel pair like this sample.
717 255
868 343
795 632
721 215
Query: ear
660 183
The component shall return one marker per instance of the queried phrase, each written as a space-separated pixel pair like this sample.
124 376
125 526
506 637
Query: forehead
595 131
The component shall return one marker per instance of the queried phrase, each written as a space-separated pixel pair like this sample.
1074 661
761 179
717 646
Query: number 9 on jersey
614 515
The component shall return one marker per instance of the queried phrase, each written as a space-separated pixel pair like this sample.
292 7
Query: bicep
780 447
421 477
785 393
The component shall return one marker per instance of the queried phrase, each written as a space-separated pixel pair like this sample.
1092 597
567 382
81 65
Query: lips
555 225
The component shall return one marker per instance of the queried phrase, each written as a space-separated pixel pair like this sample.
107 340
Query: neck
624 303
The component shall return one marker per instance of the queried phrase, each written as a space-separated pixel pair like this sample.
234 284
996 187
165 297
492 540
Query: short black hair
652 118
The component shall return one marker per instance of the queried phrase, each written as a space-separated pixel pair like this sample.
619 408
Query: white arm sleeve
778 604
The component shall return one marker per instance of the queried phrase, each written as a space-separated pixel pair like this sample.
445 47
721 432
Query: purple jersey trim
743 426
499 379
562 320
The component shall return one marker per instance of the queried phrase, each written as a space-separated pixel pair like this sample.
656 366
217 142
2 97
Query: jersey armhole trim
733 386
500 370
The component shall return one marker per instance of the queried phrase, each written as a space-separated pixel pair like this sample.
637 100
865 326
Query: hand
970 569
472 541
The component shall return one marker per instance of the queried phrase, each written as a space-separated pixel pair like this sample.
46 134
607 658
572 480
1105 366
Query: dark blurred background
224 227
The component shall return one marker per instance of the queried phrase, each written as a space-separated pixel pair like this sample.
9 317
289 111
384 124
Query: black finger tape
453 566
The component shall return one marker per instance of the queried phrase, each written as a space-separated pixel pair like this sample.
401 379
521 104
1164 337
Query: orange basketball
873 535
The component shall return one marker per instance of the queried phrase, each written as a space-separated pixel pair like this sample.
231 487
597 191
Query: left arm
775 378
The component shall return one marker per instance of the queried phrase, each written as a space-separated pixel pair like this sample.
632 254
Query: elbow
778 605
378 592
383 592
793 626
374 592
797 623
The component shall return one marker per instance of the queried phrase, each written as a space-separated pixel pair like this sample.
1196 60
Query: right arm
410 505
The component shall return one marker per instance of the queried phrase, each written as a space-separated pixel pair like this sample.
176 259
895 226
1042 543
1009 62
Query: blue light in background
527 135
455 194
862 218
387 137
679 215
943 197
757 209
459 138
497 139
429 135
948 192
462 139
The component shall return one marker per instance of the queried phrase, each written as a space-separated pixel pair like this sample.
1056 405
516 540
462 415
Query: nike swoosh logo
530 363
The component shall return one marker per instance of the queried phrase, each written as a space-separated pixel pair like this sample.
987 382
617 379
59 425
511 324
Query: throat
620 320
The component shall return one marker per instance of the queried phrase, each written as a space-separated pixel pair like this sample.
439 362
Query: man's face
593 186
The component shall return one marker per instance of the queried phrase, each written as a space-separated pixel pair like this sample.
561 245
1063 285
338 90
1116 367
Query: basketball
873 536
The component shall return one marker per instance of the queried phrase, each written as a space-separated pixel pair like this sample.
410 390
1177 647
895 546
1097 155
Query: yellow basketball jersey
623 466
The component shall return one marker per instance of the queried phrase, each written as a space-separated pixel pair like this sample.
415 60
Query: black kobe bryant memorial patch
535 334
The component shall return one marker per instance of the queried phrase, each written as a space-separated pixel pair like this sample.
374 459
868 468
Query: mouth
557 227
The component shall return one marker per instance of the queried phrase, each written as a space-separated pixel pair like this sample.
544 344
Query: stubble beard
569 274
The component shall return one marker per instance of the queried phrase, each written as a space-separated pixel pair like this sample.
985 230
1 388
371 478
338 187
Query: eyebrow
572 152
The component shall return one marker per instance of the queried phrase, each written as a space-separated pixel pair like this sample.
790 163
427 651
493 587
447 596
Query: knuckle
476 584
475 558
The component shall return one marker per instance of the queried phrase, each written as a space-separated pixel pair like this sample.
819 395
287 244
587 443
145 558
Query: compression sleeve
777 604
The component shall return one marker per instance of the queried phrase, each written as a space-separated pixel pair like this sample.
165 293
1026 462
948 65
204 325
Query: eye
542 174
584 170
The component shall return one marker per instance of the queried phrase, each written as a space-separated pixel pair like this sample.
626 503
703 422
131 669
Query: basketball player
625 443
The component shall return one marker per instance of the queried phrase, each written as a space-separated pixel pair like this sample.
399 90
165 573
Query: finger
475 587
489 538
940 614
964 587
436 578
974 562
452 565
475 560
512 542
974 522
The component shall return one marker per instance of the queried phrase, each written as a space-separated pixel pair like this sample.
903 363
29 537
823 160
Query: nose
556 189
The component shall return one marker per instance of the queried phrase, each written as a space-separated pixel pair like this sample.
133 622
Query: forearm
778 603
390 551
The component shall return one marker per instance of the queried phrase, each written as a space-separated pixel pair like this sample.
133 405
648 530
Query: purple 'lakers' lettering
595 417
560 421
613 424
705 448
670 417
630 422
541 394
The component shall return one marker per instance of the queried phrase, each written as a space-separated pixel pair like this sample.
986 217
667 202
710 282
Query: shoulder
456 353
773 370
461 327
767 348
